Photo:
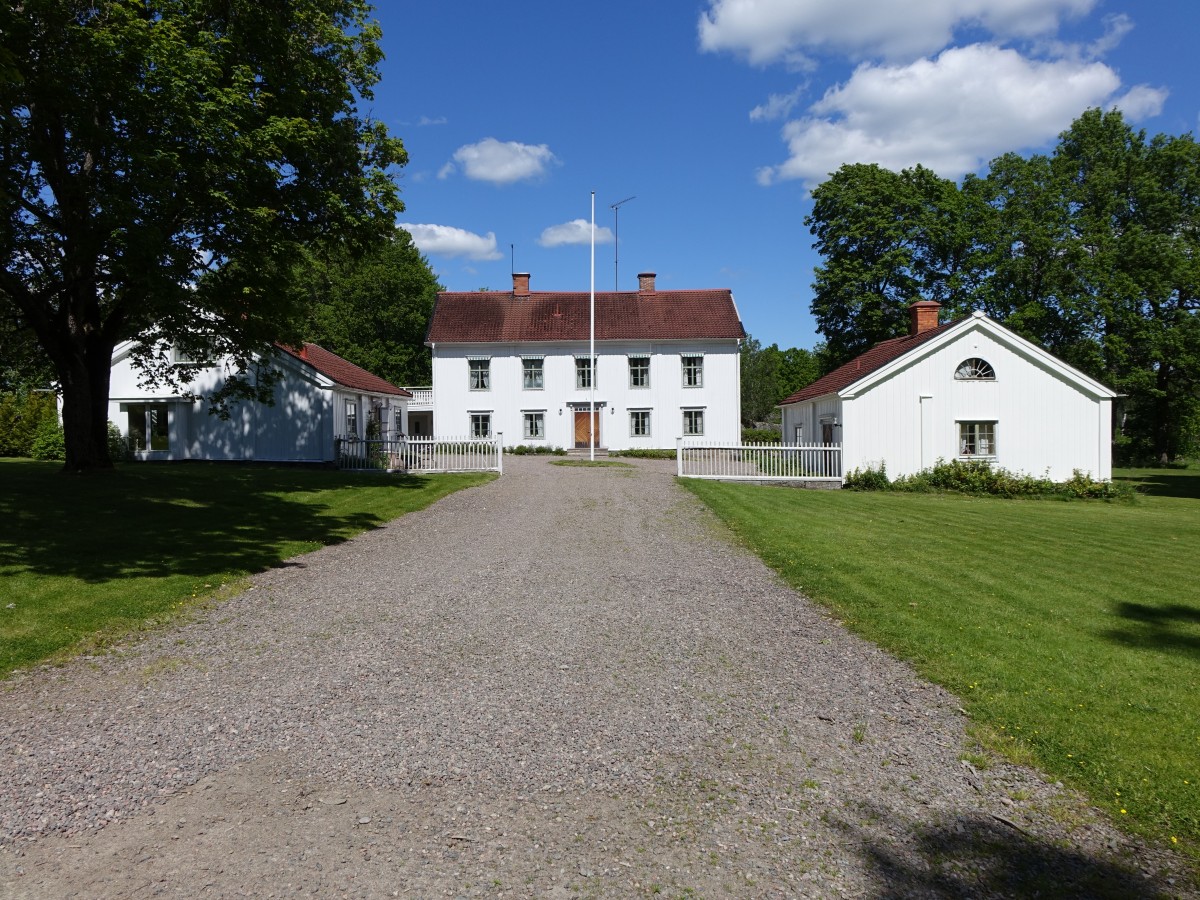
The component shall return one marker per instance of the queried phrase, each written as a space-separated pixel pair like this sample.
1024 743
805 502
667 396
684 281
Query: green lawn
1071 630
84 560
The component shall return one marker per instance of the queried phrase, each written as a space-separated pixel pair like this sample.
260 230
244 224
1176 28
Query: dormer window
974 369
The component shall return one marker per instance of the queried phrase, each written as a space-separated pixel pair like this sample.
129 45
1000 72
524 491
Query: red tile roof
343 372
497 316
864 364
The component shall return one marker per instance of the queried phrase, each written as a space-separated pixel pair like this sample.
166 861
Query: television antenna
616 208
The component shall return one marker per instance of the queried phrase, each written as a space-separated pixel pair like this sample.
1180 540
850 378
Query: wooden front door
585 436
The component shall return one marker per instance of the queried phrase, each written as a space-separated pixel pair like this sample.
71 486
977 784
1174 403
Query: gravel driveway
568 682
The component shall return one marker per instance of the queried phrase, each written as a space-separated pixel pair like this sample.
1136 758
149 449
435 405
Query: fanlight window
975 369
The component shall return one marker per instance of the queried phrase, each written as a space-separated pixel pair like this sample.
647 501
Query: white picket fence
426 455
759 462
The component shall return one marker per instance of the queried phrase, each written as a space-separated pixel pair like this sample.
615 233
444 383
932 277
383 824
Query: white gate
426 455
759 462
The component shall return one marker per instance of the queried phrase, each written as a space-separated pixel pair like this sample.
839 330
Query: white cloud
500 162
1116 26
778 106
1141 102
426 120
577 231
768 31
447 241
951 114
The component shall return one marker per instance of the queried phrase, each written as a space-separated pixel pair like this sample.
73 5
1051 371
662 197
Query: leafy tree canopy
163 163
770 374
1092 251
374 309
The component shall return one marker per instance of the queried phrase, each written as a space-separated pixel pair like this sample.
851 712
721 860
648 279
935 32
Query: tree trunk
85 408
1163 449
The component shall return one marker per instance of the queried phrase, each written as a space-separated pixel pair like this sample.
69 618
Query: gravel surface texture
568 682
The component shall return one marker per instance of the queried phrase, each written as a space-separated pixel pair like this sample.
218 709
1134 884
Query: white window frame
582 383
536 417
149 412
974 368
478 418
351 418
647 419
481 368
977 439
690 418
643 369
692 372
533 366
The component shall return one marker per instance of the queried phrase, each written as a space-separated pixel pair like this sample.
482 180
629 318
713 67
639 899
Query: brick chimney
923 315
645 282
520 284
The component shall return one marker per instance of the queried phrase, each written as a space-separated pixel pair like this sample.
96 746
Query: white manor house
517 362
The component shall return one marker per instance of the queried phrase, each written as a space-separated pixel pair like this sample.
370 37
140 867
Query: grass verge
590 464
1070 630
84 561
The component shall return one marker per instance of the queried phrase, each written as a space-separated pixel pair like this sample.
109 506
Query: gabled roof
501 316
864 364
343 372
877 364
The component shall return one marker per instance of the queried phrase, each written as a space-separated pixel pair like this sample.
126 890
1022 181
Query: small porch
420 412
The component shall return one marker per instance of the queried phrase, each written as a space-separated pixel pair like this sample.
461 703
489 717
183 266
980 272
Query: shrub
761 435
981 479
644 453
48 442
534 450
118 446
21 418
868 479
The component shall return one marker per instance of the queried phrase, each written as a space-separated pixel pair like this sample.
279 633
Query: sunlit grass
87 560
1071 630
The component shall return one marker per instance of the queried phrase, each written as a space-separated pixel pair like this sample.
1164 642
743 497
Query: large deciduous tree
887 239
1135 244
163 164
1093 251
374 308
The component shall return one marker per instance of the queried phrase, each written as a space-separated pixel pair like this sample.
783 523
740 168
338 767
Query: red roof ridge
341 371
483 317
878 356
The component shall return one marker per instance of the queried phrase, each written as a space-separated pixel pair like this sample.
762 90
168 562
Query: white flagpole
592 341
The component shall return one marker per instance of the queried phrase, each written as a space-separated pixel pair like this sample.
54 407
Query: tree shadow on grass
1165 483
162 520
980 856
1173 627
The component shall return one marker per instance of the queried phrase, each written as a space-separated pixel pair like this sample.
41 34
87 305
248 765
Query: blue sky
719 117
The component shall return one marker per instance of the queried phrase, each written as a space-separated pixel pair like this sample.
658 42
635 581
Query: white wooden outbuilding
320 397
970 390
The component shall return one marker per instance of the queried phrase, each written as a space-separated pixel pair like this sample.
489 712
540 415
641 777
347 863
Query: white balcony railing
422 397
